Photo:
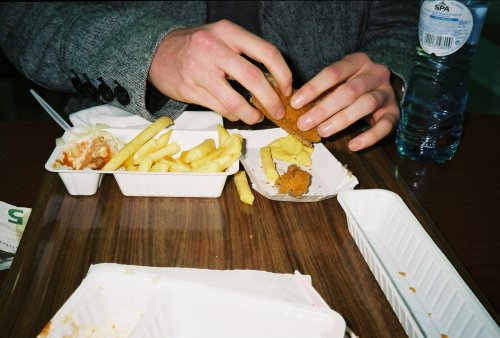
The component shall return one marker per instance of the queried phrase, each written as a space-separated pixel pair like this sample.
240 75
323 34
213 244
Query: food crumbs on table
412 289
402 273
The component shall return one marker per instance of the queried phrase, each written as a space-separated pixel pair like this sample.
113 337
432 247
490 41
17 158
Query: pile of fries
151 152
288 149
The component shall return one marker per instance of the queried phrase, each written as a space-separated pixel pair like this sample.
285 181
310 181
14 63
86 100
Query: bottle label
444 26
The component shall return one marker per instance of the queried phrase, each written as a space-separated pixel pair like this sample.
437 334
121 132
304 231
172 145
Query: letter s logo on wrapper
17 216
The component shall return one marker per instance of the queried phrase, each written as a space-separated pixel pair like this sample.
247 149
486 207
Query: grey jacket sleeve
51 43
391 35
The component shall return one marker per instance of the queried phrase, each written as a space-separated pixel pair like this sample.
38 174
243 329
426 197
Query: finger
260 50
326 79
252 78
364 106
233 103
340 98
378 131
205 99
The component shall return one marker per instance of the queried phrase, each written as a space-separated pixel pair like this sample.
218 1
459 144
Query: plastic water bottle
432 112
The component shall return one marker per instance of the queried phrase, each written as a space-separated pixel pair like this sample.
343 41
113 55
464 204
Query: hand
353 88
193 65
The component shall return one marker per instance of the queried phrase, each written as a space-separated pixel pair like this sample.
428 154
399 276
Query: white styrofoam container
424 289
190 184
111 303
328 175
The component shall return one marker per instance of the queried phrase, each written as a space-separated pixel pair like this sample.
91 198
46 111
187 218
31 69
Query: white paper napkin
119 118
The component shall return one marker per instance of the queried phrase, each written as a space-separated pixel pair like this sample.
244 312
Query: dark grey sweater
114 42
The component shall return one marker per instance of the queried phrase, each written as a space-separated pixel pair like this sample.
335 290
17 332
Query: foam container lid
424 289
113 303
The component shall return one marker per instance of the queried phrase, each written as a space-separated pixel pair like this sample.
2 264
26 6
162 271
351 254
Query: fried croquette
294 182
289 121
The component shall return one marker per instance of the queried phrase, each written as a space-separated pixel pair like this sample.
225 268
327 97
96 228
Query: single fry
179 168
226 161
199 151
130 148
129 162
232 145
163 139
131 167
169 150
145 149
244 191
231 151
223 134
160 166
268 164
206 159
169 161
145 164
209 167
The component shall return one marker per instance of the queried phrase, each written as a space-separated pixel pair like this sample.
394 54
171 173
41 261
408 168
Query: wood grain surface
66 234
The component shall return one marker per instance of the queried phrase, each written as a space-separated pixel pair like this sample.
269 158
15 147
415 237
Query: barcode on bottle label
443 27
438 41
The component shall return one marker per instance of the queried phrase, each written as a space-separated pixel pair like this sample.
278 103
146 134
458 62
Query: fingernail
355 145
297 101
280 113
326 130
304 123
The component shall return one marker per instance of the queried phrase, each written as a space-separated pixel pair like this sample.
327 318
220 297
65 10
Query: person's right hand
193 65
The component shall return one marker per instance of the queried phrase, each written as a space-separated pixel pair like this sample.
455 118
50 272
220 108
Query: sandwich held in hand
289 121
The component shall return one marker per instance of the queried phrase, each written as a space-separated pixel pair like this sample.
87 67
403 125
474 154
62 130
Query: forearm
391 36
50 43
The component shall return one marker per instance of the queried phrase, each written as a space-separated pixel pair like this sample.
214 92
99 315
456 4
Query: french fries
287 149
151 145
291 150
149 153
198 152
130 148
268 164
243 188
223 134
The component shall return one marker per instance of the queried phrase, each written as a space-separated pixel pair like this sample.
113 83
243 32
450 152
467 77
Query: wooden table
457 203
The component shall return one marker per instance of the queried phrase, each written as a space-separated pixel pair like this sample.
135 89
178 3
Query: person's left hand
351 89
